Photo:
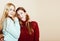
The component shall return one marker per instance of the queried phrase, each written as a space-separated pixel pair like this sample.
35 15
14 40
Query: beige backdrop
45 12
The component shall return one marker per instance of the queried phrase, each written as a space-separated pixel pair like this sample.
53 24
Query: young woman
11 27
29 29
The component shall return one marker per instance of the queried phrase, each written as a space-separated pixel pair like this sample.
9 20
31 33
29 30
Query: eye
10 9
13 10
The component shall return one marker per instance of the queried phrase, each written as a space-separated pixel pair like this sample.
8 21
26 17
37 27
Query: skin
21 15
11 11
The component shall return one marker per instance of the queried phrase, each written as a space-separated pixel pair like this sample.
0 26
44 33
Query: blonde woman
11 27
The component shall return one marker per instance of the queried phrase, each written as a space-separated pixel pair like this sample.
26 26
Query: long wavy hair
29 27
5 13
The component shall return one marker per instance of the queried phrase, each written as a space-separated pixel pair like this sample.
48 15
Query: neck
11 17
23 22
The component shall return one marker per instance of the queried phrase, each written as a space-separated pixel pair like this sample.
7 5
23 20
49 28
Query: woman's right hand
1 37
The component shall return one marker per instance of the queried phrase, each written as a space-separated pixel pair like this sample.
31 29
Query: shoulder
15 18
8 18
34 23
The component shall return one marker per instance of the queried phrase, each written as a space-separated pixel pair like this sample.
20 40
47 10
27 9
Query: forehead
20 11
12 7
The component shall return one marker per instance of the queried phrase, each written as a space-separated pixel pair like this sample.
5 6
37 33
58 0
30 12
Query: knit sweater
11 29
25 36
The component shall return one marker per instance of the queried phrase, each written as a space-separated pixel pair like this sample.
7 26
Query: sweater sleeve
10 28
17 25
36 31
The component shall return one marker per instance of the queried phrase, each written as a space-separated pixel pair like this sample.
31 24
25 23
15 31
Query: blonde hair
5 13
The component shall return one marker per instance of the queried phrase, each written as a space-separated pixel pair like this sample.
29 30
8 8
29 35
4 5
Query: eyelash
11 9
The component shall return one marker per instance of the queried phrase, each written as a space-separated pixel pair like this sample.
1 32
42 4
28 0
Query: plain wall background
45 12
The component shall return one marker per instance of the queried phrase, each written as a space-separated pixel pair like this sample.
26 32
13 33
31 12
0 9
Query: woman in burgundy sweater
29 29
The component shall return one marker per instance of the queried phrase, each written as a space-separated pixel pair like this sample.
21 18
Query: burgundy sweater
25 36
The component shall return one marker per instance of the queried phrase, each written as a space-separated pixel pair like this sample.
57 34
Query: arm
17 25
36 32
10 28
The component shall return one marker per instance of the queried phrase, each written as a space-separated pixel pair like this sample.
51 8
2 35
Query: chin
23 20
10 15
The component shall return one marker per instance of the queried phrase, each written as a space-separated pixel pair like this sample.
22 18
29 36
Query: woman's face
11 11
21 15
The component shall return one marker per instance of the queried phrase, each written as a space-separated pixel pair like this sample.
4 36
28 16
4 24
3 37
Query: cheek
24 18
23 15
19 17
14 13
9 13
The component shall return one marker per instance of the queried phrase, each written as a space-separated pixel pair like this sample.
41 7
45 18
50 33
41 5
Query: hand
2 39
